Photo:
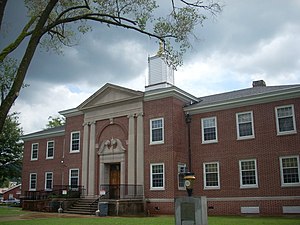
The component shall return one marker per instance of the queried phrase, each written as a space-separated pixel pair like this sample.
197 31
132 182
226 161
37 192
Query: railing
121 191
64 191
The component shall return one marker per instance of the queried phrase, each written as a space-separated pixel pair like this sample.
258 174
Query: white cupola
160 74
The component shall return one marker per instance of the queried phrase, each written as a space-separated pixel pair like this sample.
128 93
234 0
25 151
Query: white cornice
169 92
71 112
43 134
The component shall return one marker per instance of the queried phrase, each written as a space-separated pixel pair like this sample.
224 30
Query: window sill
157 189
245 138
209 142
249 187
211 188
157 143
290 185
286 133
74 152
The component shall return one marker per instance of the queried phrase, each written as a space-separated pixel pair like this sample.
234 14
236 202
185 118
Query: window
32 182
248 173
181 173
157 131
48 181
50 150
285 119
211 175
74 178
244 123
75 141
34 151
289 167
209 130
157 176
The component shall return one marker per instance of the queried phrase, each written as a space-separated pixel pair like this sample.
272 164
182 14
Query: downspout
188 120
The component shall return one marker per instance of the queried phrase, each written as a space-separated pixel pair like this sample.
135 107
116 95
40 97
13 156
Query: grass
12 216
9 211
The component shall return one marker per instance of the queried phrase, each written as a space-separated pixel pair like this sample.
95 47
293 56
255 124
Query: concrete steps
83 207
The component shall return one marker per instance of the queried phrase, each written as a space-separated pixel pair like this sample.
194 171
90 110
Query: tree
11 149
53 23
55 121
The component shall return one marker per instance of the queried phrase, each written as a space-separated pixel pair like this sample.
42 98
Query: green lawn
11 216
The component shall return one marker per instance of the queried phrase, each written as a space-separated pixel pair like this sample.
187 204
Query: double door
114 181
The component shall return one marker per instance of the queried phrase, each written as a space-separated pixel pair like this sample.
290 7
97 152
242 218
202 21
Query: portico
113 143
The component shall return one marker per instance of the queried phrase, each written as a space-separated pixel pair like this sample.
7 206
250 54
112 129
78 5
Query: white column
122 181
84 171
92 161
131 151
101 173
140 150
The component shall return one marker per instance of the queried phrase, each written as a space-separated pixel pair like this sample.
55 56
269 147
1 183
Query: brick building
243 147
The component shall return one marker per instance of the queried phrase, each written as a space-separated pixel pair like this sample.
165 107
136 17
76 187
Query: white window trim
52 157
32 189
70 176
48 189
237 126
71 139
204 176
277 122
281 171
163 132
157 188
241 178
37 153
202 129
181 165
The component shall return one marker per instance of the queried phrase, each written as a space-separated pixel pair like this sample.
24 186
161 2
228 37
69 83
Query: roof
12 188
248 96
50 132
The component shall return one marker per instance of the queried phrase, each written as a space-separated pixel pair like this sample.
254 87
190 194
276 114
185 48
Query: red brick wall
266 148
266 207
73 160
172 151
61 163
43 165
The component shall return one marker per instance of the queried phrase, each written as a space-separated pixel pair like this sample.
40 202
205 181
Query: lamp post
189 182
189 176
188 120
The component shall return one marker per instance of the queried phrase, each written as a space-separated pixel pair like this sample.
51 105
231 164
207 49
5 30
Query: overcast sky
250 40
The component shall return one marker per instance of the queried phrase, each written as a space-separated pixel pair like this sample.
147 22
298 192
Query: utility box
103 208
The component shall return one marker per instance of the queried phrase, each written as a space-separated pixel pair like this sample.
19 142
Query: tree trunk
2 8
25 62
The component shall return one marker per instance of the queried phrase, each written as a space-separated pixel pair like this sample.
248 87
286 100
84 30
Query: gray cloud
250 39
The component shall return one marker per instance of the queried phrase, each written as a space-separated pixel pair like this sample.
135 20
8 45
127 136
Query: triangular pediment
110 94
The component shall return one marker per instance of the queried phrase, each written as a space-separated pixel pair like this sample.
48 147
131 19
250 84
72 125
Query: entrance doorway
114 181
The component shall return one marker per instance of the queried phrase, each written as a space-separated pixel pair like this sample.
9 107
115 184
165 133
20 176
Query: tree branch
10 48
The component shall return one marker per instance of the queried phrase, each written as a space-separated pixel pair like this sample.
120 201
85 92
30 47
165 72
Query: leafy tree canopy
11 150
55 121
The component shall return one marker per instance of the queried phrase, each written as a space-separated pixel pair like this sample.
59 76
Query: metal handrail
97 200
122 191
56 191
